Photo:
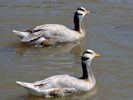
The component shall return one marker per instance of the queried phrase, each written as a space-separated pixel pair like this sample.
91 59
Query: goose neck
87 71
78 24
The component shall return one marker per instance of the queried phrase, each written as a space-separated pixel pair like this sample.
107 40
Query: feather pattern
57 32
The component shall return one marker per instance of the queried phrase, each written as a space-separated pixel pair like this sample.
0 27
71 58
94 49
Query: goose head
89 55
81 11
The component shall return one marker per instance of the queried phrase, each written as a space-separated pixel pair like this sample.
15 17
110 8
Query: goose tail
29 87
21 34
24 84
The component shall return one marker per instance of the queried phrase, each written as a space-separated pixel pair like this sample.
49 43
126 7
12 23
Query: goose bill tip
97 55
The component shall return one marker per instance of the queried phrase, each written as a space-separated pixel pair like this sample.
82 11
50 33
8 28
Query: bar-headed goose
49 34
59 85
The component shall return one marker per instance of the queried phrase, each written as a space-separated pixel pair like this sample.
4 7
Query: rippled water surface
109 31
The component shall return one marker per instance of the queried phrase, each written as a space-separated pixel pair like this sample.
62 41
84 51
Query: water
108 32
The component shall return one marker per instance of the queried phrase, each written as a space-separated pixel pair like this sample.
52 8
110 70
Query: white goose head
82 11
78 17
89 55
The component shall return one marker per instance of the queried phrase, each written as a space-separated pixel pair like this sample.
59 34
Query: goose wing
34 36
57 26
49 31
51 82
62 81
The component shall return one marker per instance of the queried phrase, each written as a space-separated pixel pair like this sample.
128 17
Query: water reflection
74 96
76 48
